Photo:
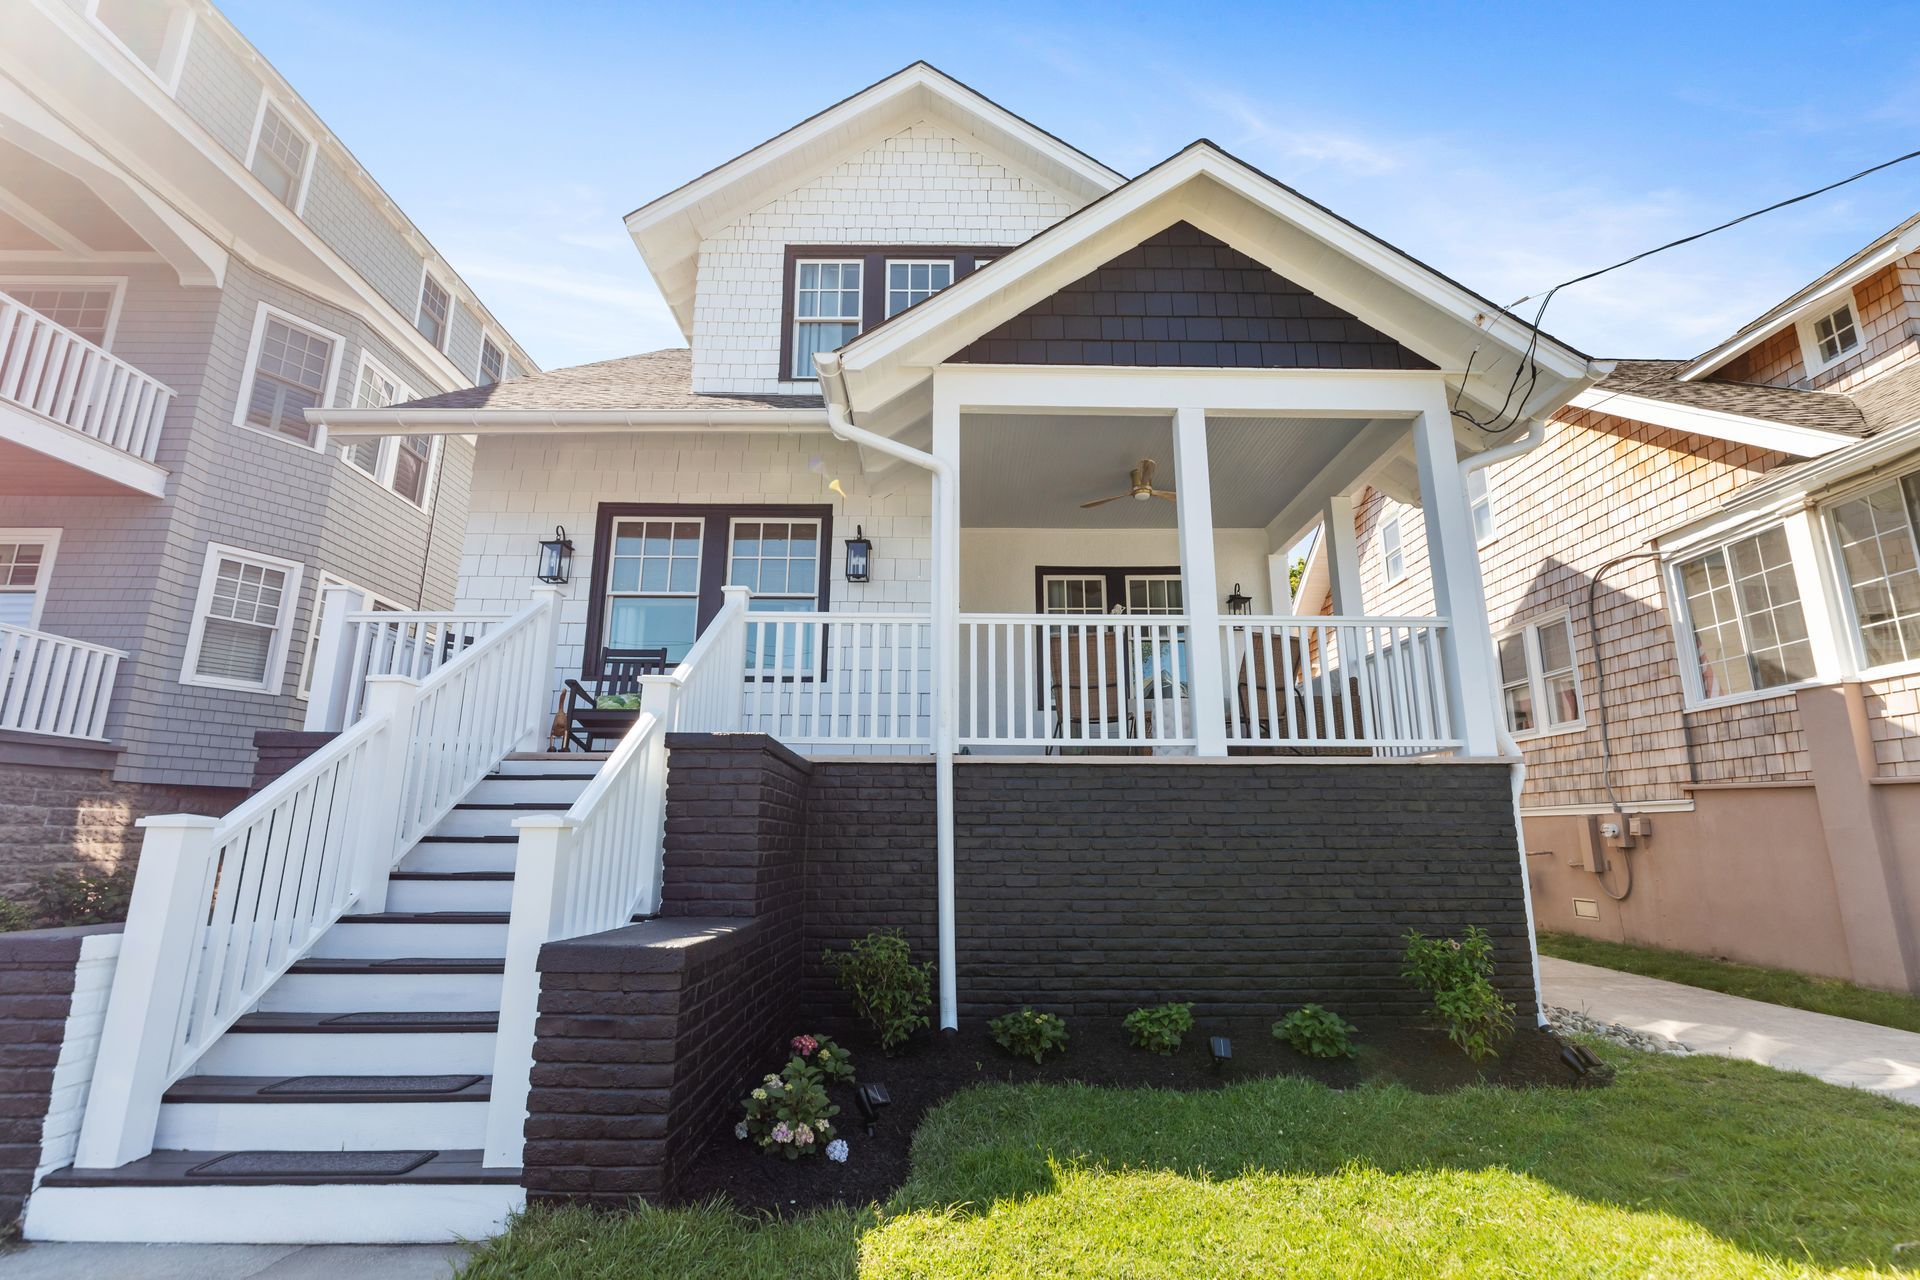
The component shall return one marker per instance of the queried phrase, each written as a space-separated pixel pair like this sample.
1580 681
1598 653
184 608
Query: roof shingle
1820 410
650 381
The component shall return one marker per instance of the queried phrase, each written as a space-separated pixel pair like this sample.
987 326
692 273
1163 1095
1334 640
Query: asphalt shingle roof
652 380
1821 410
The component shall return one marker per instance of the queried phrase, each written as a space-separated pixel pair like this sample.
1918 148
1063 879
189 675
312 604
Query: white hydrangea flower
740 1130
837 1151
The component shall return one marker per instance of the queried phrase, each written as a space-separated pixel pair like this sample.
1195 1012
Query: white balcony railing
56 686
1118 680
1351 683
839 680
53 371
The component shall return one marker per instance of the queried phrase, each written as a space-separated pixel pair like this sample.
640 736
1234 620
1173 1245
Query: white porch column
1343 556
1193 490
946 668
1454 560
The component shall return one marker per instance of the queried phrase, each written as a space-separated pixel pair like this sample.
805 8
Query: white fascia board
1899 248
357 423
1760 433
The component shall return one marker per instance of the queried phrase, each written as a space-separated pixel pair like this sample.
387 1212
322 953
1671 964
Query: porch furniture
1090 683
618 678
1274 671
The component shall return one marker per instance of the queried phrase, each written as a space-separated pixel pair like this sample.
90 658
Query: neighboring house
1732 543
189 260
954 549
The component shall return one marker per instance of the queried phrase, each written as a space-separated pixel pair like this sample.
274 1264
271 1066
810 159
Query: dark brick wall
735 818
36 994
1185 299
277 750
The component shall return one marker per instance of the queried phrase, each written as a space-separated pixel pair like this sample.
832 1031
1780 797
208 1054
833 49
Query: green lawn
1686 1167
1775 986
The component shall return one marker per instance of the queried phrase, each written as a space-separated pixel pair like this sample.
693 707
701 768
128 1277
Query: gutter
353 423
945 636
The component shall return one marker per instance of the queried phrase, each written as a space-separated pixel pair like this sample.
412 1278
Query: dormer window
909 282
833 293
1834 334
826 310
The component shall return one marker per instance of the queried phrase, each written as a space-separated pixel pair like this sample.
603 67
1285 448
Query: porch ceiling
1032 471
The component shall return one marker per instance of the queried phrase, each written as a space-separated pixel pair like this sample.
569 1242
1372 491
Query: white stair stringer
401 1004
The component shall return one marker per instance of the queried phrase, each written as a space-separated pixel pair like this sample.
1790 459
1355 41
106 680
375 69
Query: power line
1529 369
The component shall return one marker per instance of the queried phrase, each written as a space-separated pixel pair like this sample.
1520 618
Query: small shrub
65 898
1028 1034
1458 974
789 1112
890 992
1316 1032
15 916
824 1056
1161 1028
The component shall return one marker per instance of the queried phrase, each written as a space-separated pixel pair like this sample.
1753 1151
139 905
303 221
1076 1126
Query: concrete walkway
1837 1050
231 1261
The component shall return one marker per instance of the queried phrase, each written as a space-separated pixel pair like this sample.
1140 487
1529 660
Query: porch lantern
556 558
859 555
1237 602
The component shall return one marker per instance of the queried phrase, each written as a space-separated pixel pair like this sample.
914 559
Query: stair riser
450 895
383 993
320 1126
483 822
330 1214
383 941
428 856
403 1053
578 767
560 791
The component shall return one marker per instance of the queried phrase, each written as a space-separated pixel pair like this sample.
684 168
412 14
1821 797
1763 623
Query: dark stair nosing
467 839
169 1169
518 806
428 917
542 777
409 965
249 1089
454 1022
450 875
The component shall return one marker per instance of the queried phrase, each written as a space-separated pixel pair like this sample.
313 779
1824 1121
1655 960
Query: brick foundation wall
735 818
37 998
277 750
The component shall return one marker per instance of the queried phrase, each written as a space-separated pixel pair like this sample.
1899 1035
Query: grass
1775 986
1685 1167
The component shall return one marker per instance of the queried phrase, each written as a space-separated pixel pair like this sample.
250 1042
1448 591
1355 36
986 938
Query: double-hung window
779 561
1539 679
279 156
435 308
912 281
1879 546
653 585
291 369
493 362
26 566
86 307
241 621
400 463
826 310
1393 552
1743 617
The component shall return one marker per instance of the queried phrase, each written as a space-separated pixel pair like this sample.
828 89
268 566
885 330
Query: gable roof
669 228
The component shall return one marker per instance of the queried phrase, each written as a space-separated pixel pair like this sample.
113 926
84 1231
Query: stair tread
467 840
519 806
375 1022
250 1089
540 777
427 917
410 964
450 875
169 1169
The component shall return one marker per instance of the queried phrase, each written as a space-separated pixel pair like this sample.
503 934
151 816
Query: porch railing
221 908
1118 680
52 685
839 680
1373 683
53 371
598 865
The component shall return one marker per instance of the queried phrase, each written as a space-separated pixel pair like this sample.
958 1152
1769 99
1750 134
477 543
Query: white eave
1758 433
668 230
356 423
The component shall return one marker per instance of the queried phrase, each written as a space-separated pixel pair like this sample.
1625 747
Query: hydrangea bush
1028 1034
833 1062
789 1112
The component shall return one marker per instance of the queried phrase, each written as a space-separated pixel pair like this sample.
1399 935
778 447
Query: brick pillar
736 825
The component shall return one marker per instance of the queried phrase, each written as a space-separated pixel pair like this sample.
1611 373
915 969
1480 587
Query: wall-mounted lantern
1238 602
859 555
556 558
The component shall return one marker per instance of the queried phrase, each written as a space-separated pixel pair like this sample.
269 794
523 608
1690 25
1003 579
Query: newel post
329 702
389 698
544 677
146 1008
542 868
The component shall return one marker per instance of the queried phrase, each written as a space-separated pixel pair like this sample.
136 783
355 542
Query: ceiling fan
1141 478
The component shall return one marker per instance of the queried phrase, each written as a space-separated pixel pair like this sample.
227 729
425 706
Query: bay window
290 367
1879 553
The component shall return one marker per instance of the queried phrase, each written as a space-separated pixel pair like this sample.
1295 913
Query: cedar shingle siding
1182 299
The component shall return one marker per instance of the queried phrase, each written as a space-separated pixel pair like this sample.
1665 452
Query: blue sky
1509 146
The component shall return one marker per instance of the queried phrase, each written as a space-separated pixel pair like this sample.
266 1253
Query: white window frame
886 285
9 283
282 630
1810 356
420 307
1813 610
858 320
1398 548
1537 673
386 461
50 540
1096 579
1853 644
1126 588
609 594
1485 499
819 555
261 315
173 46
304 178
480 358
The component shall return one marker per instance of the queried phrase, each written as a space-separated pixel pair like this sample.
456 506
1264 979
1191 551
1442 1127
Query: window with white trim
653 585
1155 593
26 567
1393 553
403 464
1074 594
779 561
412 459
436 305
279 156
1539 679
1741 606
291 368
1835 333
915 280
493 363
826 309
1877 534
1480 503
87 307
241 621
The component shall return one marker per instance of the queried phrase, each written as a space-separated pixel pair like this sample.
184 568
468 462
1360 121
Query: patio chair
606 704
1090 681
1272 672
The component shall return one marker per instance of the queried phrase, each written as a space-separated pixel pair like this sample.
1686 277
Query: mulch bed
933 1067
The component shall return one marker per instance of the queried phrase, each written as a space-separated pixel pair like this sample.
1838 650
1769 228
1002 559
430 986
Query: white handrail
53 685
222 908
53 371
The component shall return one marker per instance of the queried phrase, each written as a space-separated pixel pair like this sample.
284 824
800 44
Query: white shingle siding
524 486
923 185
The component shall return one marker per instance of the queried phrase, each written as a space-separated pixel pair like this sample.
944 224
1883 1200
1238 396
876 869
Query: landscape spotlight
871 1098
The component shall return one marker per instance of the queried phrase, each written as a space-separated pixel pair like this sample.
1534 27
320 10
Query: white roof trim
360 423
1759 433
668 229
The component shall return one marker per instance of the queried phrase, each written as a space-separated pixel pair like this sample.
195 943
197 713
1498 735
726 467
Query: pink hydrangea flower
803 1136
781 1133
805 1045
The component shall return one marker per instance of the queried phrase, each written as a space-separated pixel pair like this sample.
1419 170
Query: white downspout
833 387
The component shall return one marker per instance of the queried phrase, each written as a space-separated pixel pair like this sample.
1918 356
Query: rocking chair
607 704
